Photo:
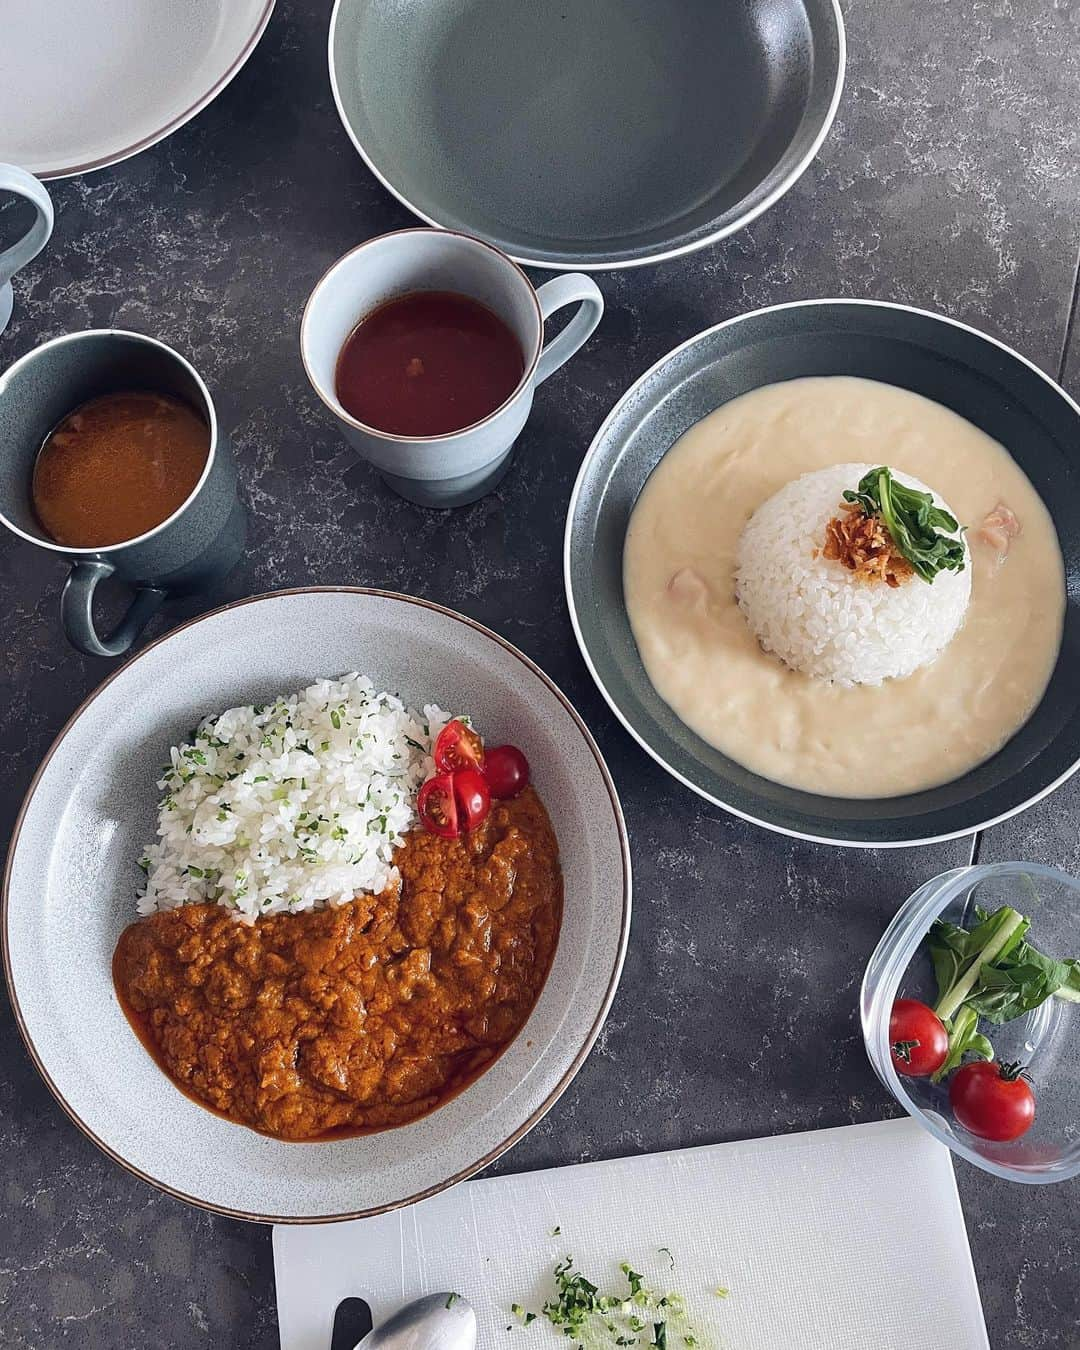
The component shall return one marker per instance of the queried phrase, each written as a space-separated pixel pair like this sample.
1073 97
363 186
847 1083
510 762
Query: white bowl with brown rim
71 878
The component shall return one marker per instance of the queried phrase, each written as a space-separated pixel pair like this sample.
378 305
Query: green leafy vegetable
991 971
959 956
1020 980
964 1039
995 970
913 521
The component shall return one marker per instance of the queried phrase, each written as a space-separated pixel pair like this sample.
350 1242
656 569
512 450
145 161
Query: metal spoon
435 1322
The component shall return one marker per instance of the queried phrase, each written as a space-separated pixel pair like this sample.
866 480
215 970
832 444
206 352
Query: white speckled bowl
70 884
87 83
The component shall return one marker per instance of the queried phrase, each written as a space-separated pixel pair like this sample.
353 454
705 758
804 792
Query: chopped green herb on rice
255 818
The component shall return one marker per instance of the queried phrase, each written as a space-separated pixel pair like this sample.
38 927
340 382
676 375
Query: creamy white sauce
898 737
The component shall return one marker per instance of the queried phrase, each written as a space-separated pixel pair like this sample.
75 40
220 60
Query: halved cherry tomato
458 747
437 807
452 804
918 1040
993 1101
472 797
507 771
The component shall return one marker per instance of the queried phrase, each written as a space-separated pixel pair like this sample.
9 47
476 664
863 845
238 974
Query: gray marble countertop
950 181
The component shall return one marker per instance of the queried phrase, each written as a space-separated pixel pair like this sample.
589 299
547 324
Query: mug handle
556 294
23 184
77 611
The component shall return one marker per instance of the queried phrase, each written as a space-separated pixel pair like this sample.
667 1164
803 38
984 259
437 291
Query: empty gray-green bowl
974 375
587 133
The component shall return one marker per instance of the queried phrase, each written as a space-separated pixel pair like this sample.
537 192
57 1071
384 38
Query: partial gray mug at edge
461 466
201 541
23 250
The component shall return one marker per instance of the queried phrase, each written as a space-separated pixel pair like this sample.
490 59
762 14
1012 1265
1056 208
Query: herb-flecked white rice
816 615
291 805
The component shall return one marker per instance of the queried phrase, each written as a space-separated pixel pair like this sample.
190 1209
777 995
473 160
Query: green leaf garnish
913 521
633 1279
595 1321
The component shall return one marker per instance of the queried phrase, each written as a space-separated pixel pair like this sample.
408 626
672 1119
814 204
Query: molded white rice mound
816 615
291 805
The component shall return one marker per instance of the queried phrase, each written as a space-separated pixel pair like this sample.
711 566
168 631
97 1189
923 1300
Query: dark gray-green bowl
979 378
587 133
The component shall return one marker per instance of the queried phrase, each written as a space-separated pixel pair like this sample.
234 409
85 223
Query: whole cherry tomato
457 746
437 807
918 1040
507 771
993 1101
472 797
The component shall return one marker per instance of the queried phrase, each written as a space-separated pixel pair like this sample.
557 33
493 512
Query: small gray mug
198 543
22 184
454 469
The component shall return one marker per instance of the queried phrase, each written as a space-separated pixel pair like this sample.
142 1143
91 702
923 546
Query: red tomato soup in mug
427 364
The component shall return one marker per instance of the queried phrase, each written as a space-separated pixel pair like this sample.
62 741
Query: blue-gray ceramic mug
22 184
197 544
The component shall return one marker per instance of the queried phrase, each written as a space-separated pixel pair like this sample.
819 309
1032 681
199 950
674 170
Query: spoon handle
352 1322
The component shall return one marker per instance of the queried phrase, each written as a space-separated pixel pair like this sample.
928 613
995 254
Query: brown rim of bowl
559 1088
181 119
338 408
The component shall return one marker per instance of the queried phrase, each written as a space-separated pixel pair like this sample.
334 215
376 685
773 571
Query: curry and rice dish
350 912
845 587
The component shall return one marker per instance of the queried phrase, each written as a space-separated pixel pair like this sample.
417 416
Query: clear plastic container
1047 1040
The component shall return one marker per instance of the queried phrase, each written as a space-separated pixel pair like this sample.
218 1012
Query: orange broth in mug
116 467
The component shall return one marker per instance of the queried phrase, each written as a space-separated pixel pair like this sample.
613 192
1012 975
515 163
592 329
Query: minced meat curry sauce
357 1018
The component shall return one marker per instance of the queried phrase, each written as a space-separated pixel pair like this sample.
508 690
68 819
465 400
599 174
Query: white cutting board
844 1239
